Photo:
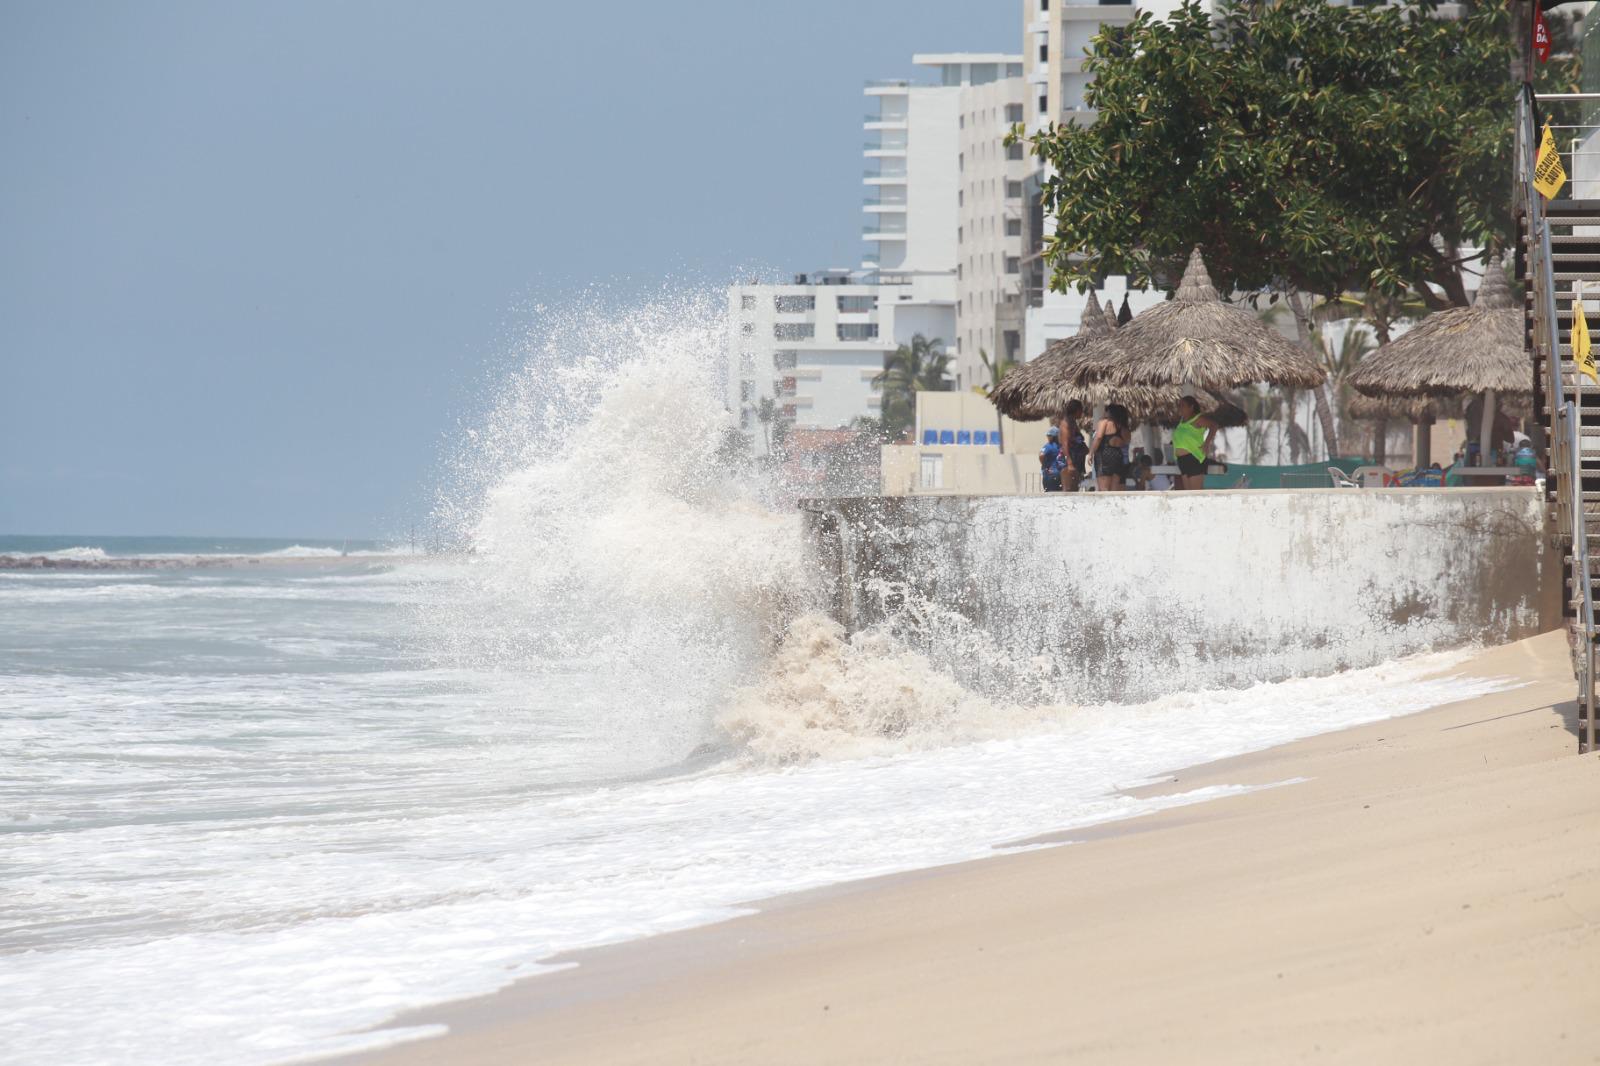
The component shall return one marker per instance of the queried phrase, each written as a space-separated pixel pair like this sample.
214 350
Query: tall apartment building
1056 36
990 206
913 179
812 347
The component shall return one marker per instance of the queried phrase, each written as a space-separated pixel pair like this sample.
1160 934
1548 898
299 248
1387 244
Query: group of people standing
1064 460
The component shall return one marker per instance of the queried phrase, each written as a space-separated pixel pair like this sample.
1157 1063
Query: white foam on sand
318 928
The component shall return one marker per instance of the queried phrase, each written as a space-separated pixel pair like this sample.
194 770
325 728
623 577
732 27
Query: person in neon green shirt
1191 442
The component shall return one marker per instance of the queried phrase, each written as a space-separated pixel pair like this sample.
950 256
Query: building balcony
891 175
883 151
873 233
1102 12
891 201
874 207
884 122
892 87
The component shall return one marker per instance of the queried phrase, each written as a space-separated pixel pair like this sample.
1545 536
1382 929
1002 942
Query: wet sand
1429 893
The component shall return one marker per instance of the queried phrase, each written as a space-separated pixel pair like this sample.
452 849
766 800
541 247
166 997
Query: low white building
811 347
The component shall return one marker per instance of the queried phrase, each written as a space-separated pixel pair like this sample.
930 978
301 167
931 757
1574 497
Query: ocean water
250 813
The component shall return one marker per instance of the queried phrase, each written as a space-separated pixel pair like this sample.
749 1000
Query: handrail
1566 441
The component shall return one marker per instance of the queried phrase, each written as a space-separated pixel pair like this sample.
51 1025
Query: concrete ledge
1128 596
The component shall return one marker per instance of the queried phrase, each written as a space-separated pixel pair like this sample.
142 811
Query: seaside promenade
1423 889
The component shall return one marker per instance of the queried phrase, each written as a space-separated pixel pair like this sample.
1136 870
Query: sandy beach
1425 889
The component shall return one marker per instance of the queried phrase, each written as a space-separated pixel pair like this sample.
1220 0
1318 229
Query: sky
255 259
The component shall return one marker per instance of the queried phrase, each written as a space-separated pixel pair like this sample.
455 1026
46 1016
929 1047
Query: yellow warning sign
1548 173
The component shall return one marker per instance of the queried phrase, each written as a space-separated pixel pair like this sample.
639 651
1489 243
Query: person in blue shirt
1052 460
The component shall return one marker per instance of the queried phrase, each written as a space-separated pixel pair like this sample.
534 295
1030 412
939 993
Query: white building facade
811 347
989 304
1056 37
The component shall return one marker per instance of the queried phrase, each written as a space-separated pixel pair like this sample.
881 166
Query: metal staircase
1559 245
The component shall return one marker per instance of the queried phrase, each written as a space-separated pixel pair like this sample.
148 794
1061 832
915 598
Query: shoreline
45 563
1051 952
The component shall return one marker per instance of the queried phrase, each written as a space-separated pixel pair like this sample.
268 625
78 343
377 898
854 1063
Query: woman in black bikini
1111 434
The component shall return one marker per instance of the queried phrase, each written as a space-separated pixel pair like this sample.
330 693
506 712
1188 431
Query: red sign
1541 36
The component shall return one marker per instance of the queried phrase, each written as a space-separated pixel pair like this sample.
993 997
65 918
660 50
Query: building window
961 199
747 362
958 234
858 331
1044 53
794 305
744 418
747 302
1013 264
857 304
793 331
1044 104
930 473
1013 190
747 329
961 161
785 359
747 391
961 122
1014 150
1013 114
1013 227
1013 340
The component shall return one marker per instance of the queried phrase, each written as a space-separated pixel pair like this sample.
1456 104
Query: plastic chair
980 436
963 436
947 436
930 436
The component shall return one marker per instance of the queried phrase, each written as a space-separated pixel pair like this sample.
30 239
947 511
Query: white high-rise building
989 223
913 180
1056 37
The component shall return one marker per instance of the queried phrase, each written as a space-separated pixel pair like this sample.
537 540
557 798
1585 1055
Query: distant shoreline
197 562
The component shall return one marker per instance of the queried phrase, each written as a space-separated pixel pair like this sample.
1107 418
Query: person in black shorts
1192 438
1111 434
1073 444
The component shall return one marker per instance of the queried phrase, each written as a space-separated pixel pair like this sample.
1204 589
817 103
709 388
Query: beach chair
930 436
963 436
947 436
1341 480
980 436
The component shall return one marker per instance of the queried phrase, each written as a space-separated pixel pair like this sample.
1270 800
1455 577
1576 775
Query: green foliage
1304 145
923 366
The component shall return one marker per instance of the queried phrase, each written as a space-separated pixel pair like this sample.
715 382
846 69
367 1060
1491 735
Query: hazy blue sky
255 258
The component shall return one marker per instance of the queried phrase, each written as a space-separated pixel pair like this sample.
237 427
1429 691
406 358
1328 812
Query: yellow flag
1548 173
1582 354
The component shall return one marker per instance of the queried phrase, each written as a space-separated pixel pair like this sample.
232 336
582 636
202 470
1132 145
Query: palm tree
920 366
996 369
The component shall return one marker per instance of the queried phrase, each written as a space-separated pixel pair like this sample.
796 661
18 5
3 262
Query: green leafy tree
1305 146
921 366
1309 148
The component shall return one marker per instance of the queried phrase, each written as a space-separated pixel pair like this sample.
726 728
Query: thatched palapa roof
1402 408
1463 349
1197 340
1044 387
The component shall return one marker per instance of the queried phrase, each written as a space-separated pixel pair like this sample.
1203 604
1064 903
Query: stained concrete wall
1128 596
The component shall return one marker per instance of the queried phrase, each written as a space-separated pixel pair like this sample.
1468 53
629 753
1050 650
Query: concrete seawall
1130 596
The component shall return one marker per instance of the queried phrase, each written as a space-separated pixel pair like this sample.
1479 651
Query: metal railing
1565 444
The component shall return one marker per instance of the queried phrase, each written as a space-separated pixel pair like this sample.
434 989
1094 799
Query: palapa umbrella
1196 341
1461 350
1044 387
